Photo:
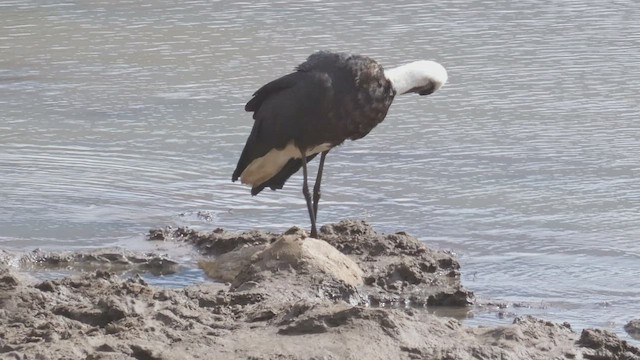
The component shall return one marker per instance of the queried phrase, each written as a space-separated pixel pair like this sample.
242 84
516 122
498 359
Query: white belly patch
266 167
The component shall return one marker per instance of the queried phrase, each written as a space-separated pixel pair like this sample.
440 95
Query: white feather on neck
416 74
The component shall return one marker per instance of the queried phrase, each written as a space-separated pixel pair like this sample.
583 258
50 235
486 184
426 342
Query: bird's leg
316 187
307 197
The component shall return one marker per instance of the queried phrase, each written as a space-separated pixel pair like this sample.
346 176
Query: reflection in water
120 117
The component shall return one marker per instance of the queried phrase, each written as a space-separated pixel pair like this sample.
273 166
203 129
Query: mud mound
290 269
302 256
100 316
397 269
96 315
290 297
602 344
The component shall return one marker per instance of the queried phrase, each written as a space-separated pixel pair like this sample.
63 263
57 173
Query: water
122 116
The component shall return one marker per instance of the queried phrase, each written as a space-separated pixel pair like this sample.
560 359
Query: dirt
352 294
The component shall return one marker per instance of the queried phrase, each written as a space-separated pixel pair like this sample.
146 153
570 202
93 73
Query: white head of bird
423 77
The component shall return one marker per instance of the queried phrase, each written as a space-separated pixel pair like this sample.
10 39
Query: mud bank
116 260
354 294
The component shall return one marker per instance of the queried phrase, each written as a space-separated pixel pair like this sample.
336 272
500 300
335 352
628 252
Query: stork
329 98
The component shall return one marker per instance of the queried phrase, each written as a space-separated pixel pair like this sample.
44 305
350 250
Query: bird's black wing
271 88
286 109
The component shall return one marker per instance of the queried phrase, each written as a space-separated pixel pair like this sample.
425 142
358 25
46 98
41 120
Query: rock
396 269
633 328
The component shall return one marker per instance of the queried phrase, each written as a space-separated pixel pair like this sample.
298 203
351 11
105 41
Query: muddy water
118 117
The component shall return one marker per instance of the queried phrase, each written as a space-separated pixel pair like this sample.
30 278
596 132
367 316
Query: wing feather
284 110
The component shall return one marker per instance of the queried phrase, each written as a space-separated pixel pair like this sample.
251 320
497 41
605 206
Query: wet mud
352 294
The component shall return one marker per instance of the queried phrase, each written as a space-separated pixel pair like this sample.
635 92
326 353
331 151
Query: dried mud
352 294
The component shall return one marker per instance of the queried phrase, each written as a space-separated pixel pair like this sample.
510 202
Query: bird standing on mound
330 98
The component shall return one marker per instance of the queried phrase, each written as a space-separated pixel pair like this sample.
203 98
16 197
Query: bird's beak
428 91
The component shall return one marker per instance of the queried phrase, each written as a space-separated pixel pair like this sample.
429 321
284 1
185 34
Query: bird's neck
402 78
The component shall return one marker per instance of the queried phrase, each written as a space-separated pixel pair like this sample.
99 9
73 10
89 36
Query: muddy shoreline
352 294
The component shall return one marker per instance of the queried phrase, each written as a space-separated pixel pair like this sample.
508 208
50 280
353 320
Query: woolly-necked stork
330 97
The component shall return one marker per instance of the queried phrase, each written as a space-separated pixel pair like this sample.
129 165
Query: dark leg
307 197
316 187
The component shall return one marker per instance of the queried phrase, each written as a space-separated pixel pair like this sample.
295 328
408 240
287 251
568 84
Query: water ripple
121 116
